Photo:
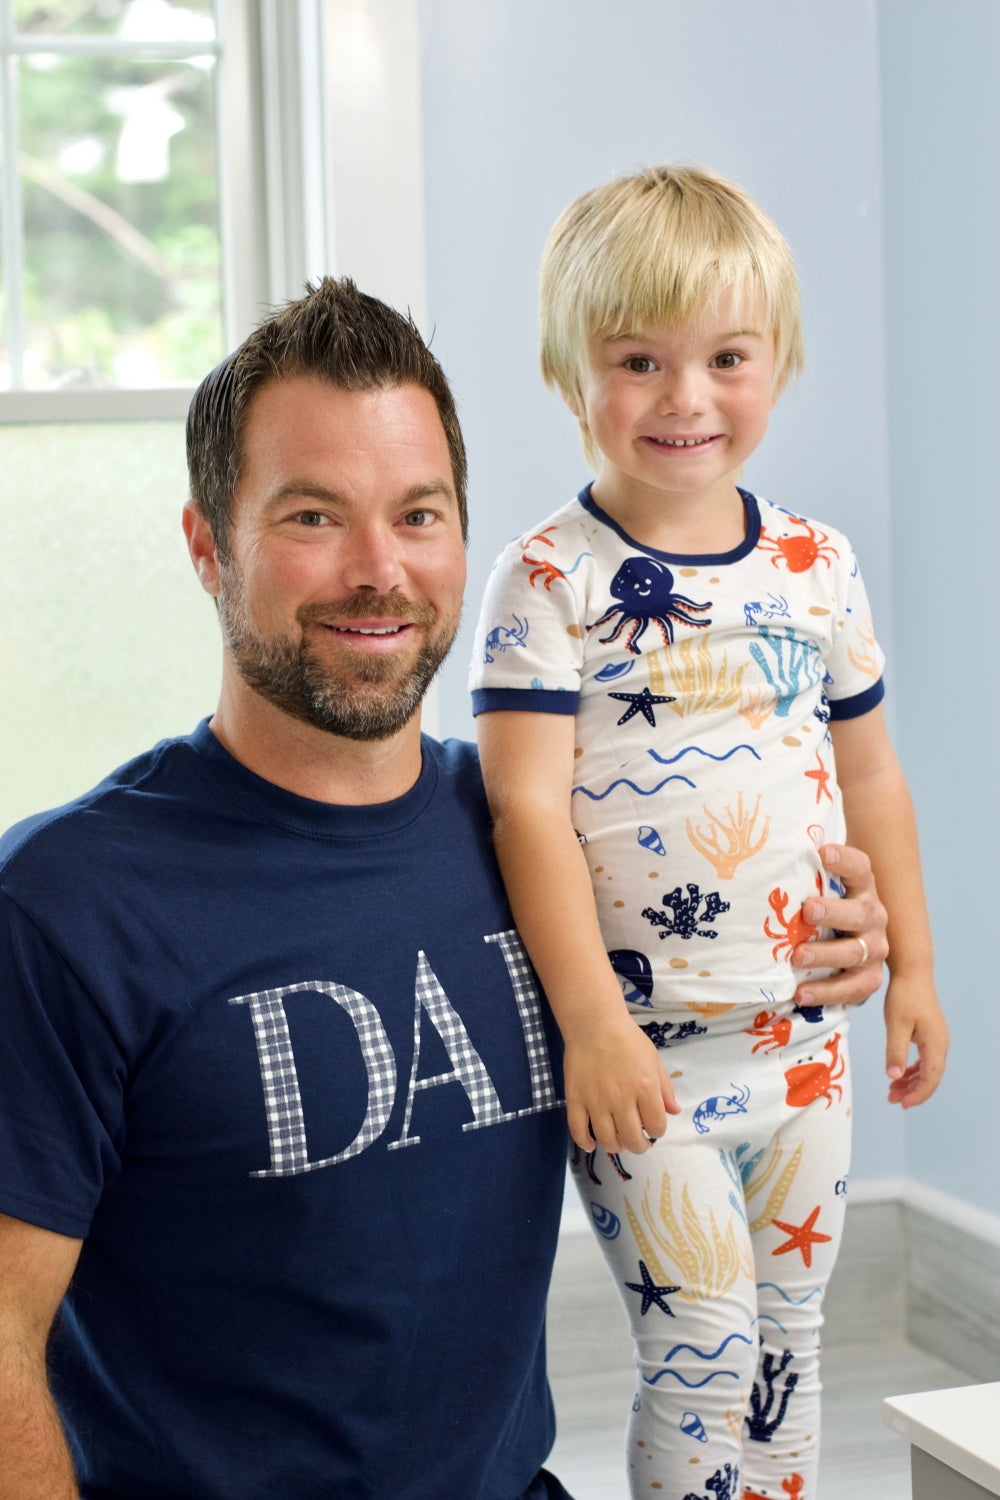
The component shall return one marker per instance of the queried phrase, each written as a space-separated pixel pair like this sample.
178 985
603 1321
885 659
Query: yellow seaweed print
759 1178
700 687
706 1260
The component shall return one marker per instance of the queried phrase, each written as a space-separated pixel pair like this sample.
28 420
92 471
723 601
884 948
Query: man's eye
310 518
729 360
419 518
639 364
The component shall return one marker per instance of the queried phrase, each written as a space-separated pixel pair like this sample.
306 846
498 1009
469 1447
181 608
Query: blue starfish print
641 703
651 1293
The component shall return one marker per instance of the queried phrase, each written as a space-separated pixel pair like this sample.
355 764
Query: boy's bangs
653 284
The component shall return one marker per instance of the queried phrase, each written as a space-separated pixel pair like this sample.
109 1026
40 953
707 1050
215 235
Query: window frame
275 214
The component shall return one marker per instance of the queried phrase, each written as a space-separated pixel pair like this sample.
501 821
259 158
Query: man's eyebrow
308 489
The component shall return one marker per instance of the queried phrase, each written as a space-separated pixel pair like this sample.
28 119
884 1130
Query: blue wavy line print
766 1318
624 781
697 750
570 571
761 1285
692 1385
740 1337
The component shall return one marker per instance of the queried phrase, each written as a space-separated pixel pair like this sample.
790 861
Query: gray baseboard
953 1291
866 1300
919 1266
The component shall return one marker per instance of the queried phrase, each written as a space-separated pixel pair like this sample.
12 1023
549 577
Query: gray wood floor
590 1368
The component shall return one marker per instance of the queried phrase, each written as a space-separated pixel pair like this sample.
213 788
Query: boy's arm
880 820
613 1074
35 1270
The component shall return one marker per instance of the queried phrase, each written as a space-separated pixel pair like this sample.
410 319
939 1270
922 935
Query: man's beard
369 698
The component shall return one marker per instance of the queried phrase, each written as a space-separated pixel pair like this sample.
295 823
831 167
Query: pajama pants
720 1239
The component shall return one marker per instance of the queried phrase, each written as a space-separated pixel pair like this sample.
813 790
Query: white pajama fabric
720 1240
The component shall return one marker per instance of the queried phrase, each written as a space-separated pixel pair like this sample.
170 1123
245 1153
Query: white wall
942 185
524 106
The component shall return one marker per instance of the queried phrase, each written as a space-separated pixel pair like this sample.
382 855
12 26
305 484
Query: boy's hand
913 1015
616 1087
860 918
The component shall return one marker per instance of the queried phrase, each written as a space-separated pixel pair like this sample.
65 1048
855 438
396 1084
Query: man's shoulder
62 832
458 768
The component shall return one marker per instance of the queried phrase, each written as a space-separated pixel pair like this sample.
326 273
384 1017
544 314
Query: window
162 178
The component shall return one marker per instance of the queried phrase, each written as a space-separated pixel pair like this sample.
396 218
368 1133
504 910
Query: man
281 1139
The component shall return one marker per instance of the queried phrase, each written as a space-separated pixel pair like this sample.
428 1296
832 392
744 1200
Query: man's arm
35 1270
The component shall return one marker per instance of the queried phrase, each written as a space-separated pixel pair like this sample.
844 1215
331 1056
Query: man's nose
371 558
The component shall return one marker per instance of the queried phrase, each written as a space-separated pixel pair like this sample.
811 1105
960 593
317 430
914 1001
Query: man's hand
616 1087
861 919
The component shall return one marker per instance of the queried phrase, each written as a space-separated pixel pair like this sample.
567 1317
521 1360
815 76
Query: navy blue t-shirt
284 1067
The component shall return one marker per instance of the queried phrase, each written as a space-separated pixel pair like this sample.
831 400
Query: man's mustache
393 606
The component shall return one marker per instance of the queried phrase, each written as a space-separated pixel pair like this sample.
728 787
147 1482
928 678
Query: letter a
467 1066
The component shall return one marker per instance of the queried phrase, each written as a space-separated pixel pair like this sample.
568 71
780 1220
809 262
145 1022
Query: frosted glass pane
135 20
107 642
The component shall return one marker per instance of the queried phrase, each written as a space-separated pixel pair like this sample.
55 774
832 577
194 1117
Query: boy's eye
639 364
727 360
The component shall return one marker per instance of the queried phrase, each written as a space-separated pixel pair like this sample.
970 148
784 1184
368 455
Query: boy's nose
681 394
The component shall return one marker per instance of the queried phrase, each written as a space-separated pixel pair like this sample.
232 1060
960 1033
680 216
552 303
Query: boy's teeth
681 442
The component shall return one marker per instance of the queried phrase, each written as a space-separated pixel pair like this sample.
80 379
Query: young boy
666 670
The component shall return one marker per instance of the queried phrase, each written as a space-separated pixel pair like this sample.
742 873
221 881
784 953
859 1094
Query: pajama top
702 687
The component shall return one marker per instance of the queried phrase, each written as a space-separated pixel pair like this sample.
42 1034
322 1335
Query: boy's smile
674 413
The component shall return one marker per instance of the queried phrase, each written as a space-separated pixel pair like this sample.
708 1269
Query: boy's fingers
898 1034
579 1126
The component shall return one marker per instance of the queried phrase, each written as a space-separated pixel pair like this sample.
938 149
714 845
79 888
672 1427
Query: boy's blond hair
656 249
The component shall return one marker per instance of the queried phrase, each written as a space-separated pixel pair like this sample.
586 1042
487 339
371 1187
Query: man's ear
201 546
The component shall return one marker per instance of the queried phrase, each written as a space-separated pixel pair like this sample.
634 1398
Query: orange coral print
542 568
863 656
737 832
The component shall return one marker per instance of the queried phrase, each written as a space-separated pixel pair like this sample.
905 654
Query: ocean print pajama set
704 787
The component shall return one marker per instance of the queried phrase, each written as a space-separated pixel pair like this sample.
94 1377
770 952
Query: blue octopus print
644 588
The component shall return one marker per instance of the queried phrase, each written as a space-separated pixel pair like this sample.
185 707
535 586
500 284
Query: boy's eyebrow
640 336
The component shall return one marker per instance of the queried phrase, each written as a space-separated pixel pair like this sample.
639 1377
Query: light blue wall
942 186
524 106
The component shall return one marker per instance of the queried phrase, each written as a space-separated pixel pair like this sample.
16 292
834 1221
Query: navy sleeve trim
521 700
861 703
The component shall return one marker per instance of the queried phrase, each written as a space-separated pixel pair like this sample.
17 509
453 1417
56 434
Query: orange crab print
792 930
774 1032
792 1487
798 552
816 1080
